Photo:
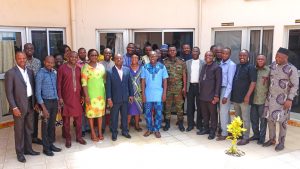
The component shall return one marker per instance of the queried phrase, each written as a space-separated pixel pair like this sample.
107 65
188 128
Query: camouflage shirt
176 68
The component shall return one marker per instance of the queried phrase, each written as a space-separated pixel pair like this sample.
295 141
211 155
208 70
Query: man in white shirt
194 67
19 87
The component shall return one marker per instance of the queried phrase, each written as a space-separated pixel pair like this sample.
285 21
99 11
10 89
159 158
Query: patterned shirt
45 85
176 68
34 64
262 85
154 76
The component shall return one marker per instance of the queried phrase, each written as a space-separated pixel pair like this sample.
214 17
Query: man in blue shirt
228 70
127 57
154 88
46 94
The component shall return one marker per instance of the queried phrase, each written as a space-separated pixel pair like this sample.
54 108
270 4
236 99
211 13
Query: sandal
138 129
101 137
148 133
96 139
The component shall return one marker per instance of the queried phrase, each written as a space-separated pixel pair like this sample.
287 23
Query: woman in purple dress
135 108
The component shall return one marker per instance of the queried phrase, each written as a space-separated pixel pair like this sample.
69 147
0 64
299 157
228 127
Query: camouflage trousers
177 99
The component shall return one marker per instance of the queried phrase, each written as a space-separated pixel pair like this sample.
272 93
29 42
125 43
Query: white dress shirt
27 81
120 72
195 71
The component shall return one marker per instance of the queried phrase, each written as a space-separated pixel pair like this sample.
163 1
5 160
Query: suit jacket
189 70
117 90
15 89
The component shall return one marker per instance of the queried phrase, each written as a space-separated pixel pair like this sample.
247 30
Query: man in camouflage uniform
176 87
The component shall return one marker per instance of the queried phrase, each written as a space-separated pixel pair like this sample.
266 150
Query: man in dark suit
19 89
118 91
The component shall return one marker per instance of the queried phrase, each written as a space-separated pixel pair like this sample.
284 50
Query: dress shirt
27 81
195 71
45 85
228 71
120 72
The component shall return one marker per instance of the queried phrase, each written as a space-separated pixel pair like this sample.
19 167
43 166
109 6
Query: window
261 42
11 40
257 40
114 39
148 38
294 58
158 37
231 39
46 41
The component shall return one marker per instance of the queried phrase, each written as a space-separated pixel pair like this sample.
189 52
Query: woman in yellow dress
92 78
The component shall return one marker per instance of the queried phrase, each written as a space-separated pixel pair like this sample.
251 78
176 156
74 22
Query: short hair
185 44
172 46
196 47
245 50
212 46
80 49
147 45
130 44
92 50
27 44
228 48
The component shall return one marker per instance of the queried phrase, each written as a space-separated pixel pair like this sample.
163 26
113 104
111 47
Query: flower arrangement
236 130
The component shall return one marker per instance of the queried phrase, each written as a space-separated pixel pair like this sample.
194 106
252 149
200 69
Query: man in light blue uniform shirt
228 71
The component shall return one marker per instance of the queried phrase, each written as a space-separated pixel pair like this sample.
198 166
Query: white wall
132 14
244 13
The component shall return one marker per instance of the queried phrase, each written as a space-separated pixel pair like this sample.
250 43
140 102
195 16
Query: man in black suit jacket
19 89
118 91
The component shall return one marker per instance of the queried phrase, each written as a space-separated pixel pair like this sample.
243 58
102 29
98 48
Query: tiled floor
174 150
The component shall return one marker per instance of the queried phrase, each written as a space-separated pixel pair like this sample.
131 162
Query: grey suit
16 93
192 94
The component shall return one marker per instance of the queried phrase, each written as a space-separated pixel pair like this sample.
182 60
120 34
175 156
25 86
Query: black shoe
37 141
48 153
269 143
203 132
253 138
114 137
180 126
279 147
55 149
83 134
33 153
190 128
167 126
126 135
21 158
259 142
243 142
211 136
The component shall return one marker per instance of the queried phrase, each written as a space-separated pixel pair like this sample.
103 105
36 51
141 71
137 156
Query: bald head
261 61
118 58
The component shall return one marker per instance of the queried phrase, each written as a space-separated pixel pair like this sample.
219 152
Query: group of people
92 90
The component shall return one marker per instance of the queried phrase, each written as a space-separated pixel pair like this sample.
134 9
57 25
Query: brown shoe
81 141
68 143
221 138
147 133
269 143
243 142
157 134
